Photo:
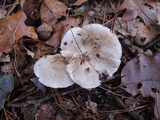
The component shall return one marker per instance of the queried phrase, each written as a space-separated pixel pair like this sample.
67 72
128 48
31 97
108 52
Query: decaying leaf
6 86
142 34
7 68
30 53
142 76
60 29
12 29
91 50
51 71
138 8
5 58
51 10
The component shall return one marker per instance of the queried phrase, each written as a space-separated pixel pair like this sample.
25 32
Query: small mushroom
51 71
91 51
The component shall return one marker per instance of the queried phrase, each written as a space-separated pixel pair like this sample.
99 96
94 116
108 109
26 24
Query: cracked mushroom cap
51 71
94 46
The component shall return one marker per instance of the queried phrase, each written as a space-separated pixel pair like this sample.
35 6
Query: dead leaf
30 53
45 111
60 29
5 58
141 76
12 29
6 86
142 34
138 8
8 68
51 10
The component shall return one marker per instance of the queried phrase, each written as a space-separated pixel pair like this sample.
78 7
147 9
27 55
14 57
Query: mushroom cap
83 73
98 43
69 45
51 71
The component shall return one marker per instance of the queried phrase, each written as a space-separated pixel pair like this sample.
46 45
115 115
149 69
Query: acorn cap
44 31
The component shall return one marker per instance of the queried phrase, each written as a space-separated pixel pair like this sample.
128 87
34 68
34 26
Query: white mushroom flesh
51 71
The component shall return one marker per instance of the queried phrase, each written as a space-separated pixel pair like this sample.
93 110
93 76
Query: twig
152 43
38 101
11 9
114 93
31 102
132 113
115 13
75 102
125 110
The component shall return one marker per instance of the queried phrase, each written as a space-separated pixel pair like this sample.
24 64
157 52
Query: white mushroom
83 73
69 46
95 47
51 71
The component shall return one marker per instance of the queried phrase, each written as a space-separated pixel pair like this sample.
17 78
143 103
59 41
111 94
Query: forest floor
31 29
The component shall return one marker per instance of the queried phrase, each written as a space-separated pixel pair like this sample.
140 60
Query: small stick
132 113
31 102
152 43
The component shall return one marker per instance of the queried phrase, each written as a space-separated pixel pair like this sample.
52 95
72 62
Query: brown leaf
12 29
138 8
51 10
141 76
60 29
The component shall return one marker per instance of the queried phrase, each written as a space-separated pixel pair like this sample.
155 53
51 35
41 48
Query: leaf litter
136 23
141 76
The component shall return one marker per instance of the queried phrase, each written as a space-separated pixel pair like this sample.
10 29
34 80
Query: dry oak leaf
142 34
12 29
137 8
60 29
51 10
142 76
